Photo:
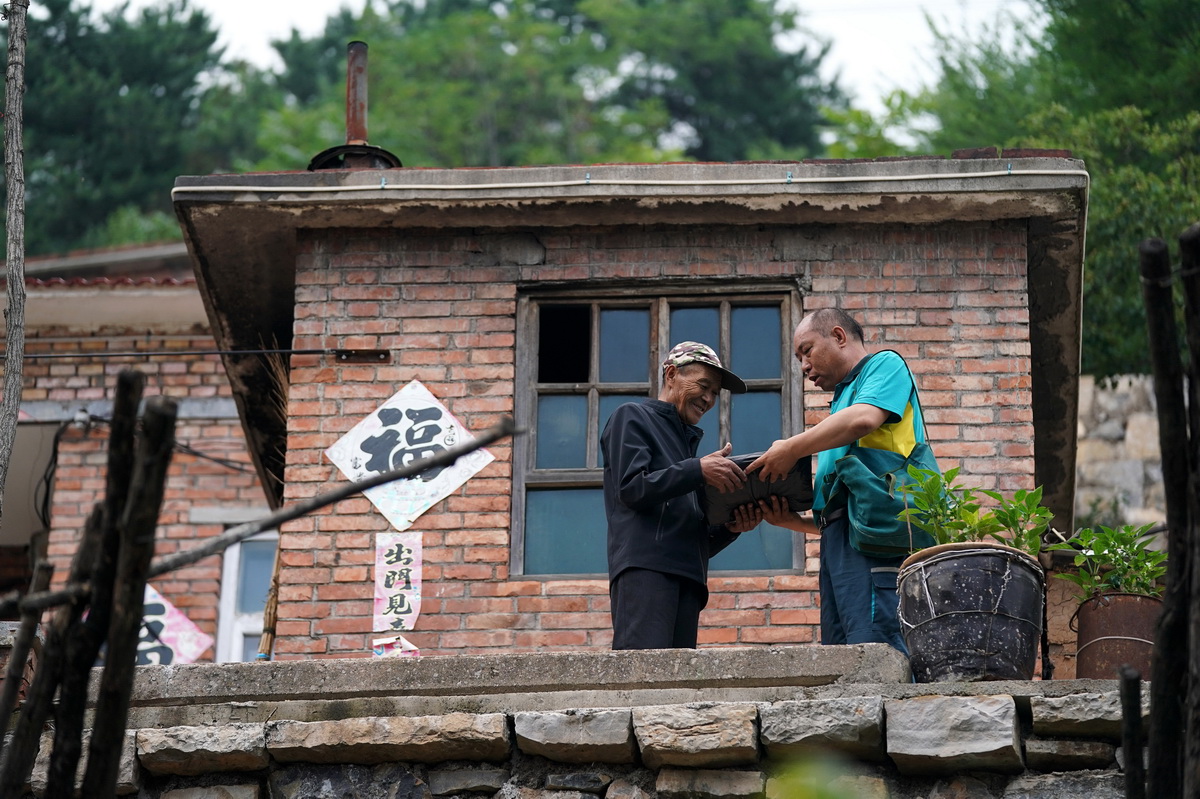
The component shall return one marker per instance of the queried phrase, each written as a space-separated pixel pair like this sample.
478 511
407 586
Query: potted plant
971 604
1119 580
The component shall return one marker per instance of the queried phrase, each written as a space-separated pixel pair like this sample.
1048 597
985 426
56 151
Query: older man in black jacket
659 543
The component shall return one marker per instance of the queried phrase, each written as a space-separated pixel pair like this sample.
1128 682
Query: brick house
550 294
88 316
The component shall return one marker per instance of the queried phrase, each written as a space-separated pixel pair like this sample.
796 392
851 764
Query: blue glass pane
610 402
696 324
764 547
756 421
624 346
255 567
565 531
754 347
561 432
250 647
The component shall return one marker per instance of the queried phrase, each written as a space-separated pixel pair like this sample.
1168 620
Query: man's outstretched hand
776 462
722 473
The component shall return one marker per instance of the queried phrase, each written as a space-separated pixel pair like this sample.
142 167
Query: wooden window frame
659 299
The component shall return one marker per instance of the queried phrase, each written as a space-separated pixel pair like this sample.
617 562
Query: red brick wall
193 481
952 299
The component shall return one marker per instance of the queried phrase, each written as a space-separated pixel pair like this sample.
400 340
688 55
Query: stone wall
749 722
1119 473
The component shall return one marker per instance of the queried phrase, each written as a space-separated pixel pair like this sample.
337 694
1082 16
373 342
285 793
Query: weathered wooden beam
22 645
137 527
1169 668
86 636
1131 732
1189 249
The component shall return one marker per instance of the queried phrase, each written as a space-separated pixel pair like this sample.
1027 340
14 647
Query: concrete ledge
490 675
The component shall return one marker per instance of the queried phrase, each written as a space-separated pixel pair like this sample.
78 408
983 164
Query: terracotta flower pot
1112 630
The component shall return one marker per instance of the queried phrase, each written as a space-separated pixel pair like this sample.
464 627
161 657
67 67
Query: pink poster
397 581
167 635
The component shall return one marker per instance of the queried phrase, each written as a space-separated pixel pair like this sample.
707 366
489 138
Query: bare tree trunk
14 176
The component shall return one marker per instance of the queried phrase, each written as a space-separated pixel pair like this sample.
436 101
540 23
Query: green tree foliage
108 104
469 83
1117 82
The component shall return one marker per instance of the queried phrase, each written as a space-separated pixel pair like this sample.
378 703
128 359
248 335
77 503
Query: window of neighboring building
583 356
246 570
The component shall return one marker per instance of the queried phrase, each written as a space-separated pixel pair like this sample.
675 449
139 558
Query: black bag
796 488
866 482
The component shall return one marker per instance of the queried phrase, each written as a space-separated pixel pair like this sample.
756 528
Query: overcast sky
878 45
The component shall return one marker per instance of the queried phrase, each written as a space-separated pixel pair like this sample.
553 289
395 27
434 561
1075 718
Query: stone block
675 783
961 787
586 781
853 725
419 739
467 780
697 735
203 750
624 788
949 734
577 736
860 787
1088 715
1141 437
214 792
129 776
1065 754
308 780
1071 785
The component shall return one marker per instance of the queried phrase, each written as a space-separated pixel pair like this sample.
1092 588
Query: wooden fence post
1169 667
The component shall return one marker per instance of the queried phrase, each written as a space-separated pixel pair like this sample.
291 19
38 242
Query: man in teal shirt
874 405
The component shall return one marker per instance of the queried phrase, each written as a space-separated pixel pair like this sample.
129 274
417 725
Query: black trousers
655 610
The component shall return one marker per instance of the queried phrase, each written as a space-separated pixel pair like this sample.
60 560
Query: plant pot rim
1105 594
964 546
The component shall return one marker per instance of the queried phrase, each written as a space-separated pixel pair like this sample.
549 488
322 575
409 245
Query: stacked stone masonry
967 746
796 725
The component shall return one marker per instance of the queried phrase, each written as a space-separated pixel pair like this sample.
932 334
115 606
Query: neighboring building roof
241 231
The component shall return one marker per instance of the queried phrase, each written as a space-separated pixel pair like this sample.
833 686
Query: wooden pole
1189 249
137 527
1169 668
1131 732
86 636
23 747
75 592
22 645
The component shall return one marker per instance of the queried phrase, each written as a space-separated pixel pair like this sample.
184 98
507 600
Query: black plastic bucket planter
971 612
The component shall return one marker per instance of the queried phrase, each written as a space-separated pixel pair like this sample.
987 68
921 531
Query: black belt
831 516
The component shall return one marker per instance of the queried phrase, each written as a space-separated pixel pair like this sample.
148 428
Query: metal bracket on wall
363 356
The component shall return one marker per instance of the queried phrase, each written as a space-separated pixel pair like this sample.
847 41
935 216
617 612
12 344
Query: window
582 357
246 571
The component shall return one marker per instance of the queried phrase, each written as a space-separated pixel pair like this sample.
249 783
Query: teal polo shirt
882 380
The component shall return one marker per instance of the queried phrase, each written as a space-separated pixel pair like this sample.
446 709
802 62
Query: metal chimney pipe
356 93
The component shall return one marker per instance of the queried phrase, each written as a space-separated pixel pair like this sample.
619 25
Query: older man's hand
722 473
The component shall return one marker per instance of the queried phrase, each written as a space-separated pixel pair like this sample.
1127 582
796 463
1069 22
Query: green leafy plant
1114 559
954 513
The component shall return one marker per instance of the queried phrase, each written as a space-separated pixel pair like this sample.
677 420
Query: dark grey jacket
653 493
